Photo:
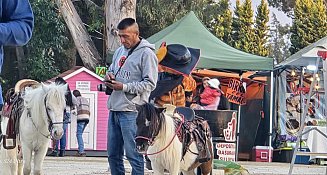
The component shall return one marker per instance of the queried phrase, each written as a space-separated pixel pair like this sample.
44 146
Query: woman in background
83 116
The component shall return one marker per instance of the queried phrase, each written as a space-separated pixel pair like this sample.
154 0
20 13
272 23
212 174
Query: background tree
320 19
278 42
306 29
261 29
286 6
221 25
242 27
116 10
91 13
153 15
48 44
236 25
283 5
83 42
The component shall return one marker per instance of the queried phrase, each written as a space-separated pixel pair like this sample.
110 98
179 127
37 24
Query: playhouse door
89 135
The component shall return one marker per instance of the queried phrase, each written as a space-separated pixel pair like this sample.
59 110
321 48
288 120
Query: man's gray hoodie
138 74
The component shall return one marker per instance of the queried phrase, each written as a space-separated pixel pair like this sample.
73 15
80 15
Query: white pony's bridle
50 127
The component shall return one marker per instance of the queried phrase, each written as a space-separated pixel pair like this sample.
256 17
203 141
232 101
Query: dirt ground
99 166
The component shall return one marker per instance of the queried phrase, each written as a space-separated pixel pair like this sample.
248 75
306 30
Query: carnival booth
95 134
301 111
230 66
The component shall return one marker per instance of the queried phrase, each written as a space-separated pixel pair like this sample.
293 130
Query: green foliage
154 15
230 168
283 5
48 43
279 37
261 29
221 24
242 27
91 13
306 27
320 19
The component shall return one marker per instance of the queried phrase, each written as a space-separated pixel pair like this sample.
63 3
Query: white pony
156 137
41 119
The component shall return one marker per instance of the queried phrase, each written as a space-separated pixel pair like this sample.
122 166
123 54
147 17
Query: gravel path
98 166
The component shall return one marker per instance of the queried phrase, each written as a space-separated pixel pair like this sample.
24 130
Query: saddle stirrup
12 146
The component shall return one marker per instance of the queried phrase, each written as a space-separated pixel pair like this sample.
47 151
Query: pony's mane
163 121
32 97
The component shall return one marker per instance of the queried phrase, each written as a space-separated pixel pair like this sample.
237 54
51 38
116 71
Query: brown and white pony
156 137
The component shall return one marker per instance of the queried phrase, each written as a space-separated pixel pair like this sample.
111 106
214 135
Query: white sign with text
226 151
83 85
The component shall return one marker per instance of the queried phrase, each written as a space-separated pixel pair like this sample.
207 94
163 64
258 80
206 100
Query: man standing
132 76
16 26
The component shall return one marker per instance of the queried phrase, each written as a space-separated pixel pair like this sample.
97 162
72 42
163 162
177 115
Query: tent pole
271 111
324 64
238 127
238 131
300 132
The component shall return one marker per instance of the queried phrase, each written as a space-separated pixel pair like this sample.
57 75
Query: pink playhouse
95 134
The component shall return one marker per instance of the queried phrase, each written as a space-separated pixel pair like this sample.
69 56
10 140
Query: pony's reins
151 140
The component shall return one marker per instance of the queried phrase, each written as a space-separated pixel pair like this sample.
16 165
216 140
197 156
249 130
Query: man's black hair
123 24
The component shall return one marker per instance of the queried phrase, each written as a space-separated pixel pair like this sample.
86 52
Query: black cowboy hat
180 58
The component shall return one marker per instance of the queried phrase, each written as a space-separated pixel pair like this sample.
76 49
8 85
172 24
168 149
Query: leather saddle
188 113
196 129
13 109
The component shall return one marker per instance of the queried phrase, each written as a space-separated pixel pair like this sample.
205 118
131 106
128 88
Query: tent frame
303 115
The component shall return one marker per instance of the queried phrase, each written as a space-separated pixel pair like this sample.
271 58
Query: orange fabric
211 73
189 83
175 97
254 91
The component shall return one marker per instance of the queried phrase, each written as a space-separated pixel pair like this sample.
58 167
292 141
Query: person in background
70 105
175 81
200 89
132 75
16 26
83 117
210 97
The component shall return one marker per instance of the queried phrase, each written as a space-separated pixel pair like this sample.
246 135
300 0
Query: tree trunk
83 42
116 10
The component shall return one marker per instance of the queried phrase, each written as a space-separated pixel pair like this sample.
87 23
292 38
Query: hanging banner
236 92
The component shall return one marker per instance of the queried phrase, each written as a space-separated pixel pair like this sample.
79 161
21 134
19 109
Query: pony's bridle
50 127
154 134
49 118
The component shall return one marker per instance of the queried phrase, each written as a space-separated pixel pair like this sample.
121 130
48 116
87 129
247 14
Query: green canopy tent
190 32
215 54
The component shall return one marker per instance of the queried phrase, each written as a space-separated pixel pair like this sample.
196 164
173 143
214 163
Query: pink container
261 154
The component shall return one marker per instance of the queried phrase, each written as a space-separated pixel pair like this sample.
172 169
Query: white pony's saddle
13 109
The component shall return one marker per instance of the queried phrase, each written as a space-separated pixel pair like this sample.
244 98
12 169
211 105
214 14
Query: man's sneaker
83 154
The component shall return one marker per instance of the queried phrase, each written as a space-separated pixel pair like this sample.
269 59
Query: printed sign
101 71
83 85
236 92
226 151
230 131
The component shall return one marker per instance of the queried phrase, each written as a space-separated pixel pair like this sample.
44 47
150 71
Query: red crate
261 153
